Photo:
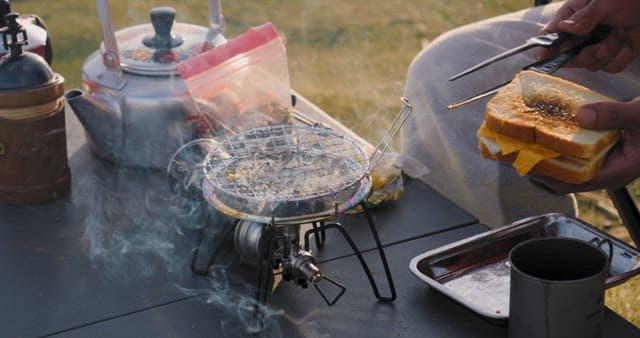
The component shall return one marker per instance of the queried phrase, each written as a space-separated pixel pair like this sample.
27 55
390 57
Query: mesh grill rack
285 163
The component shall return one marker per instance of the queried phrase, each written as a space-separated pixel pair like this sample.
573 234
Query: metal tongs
546 66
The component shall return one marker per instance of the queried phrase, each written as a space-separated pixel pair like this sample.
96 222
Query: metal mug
557 288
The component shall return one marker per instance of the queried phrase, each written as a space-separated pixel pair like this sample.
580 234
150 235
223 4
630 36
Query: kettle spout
101 118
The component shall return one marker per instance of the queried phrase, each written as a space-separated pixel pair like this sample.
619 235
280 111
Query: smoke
137 228
254 318
133 218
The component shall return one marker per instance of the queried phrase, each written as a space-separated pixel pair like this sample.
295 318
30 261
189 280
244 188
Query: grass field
348 57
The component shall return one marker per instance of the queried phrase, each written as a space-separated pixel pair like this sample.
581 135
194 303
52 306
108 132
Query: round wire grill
285 163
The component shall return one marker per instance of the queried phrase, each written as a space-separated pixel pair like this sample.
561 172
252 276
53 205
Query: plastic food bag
242 84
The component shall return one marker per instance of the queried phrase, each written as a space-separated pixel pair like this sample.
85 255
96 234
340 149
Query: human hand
622 164
580 17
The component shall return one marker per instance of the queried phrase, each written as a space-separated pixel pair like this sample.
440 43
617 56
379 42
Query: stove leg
214 234
265 279
361 259
265 282
383 256
265 270
322 237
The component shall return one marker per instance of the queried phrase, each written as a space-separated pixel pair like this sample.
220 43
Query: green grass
597 209
348 57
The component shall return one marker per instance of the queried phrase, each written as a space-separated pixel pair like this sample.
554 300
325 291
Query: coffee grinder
33 149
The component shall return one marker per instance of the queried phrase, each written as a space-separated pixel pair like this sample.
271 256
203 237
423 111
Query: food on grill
286 171
295 174
532 124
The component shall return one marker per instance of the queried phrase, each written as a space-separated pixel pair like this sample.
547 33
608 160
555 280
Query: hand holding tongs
546 66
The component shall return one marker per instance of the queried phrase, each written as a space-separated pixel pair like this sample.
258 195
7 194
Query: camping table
56 284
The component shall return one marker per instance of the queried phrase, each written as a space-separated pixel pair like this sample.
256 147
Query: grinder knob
14 36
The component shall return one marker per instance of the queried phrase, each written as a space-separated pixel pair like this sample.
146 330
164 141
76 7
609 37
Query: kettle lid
21 69
157 48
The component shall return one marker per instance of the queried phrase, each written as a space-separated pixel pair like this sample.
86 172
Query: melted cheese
528 154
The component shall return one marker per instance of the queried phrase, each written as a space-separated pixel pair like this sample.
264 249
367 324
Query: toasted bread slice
541 109
567 169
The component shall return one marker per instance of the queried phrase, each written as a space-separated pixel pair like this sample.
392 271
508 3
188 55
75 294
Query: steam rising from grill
136 229
129 227
285 171
285 162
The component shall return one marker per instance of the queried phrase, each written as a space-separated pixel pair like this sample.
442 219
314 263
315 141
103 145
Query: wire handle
390 133
324 296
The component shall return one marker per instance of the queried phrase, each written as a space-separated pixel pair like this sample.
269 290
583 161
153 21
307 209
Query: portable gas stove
279 184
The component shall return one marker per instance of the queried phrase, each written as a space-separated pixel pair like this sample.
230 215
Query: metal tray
475 271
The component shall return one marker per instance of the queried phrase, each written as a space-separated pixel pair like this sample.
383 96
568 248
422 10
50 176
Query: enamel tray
475 271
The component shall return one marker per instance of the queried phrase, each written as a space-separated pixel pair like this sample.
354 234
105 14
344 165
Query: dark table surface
112 260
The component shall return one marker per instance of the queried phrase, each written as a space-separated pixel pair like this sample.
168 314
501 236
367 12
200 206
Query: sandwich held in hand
532 124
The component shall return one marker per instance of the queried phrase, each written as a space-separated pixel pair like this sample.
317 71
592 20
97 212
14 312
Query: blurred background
348 57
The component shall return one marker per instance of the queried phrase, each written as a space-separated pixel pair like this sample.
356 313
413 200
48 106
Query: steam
128 224
137 228
255 317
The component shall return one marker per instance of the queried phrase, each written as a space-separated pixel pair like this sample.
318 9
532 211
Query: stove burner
274 180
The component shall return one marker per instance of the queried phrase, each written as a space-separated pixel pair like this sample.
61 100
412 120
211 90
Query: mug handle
599 242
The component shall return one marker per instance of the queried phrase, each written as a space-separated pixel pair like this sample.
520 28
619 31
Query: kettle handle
216 19
110 55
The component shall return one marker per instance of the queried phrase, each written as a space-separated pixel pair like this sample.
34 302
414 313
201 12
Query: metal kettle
134 105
